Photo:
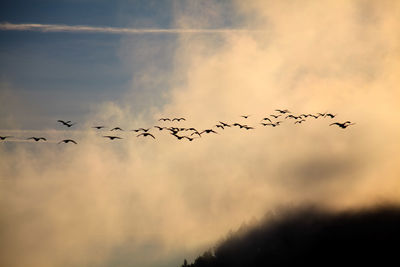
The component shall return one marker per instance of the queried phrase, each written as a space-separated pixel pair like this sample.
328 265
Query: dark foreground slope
310 237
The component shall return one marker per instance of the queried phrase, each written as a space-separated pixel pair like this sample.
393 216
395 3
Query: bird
343 125
146 134
219 126
67 141
191 129
188 138
245 116
270 124
330 115
67 123
112 137
208 131
238 124
178 119
248 127
177 136
196 132
37 139
165 119
159 128
99 127
267 119
282 111
116 129
275 116
300 121
224 124
144 130
293 117
5 137
64 122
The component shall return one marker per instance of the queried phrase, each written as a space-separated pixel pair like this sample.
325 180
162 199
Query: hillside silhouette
312 237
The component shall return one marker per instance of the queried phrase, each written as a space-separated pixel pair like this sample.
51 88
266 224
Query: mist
142 202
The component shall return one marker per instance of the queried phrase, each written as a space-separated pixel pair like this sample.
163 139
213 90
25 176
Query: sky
143 202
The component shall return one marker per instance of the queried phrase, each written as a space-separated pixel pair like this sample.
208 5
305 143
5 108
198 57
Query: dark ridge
313 237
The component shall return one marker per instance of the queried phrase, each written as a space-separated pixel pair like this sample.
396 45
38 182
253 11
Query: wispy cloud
5 26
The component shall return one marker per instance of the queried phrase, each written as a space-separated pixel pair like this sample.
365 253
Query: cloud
6 26
144 203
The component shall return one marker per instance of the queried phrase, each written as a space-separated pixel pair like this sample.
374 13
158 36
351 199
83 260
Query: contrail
5 26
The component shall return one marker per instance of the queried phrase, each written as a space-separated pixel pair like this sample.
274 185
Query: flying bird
208 131
159 128
37 139
299 122
275 116
165 119
144 130
282 111
267 119
66 123
343 125
116 129
238 124
145 134
330 115
224 124
98 127
248 127
68 141
178 119
245 116
112 137
293 117
196 132
5 137
219 126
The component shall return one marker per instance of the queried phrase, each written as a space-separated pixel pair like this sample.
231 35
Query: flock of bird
272 120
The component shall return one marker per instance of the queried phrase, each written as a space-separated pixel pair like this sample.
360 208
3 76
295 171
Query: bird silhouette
196 132
112 137
208 131
267 119
99 127
191 129
68 141
37 139
219 126
330 115
165 119
238 124
293 117
5 137
224 124
68 123
248 127
145 134
178 119
144 130
343 125
116 129
282 111
275 116
299 122
159 128
245 116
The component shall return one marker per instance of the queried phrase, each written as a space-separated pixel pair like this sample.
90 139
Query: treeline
311 237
